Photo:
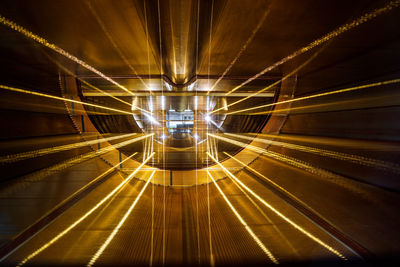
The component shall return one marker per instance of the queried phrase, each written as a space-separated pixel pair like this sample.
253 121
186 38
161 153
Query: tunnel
200 133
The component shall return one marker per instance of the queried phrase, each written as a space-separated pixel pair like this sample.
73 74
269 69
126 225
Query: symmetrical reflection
187 138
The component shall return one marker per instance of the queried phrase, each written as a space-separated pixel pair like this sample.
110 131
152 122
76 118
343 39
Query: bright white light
207 118
169 87
195 136
163 102
151 119
196 102
190 87
163 136
150 103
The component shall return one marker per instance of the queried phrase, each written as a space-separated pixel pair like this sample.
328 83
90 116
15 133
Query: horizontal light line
355 88
55 149
192 93
13 89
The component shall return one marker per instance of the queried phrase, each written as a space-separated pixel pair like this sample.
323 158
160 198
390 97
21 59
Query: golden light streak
243 222
344 28
85 82
87 214
61 98
290 74
61 51
329 106
38 175
328 153
265 215
51 150
94 87
296 226
244 47
269 180
122 221
355 88
57 49
114 44
331 177
331 141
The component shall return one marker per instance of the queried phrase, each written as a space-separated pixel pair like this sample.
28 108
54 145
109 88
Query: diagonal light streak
296 226
114 44
57 49
43 173
13 89
328 153
331 141
45 151
76 193
242 221
344 90
267 218
269 180
331 177
121 222
244 47
87 83
290 74
87 214
61 51
344 28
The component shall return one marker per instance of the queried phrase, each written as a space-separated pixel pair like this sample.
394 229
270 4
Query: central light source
179 122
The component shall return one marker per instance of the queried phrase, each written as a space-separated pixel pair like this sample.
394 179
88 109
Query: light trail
51 150
57 49
163 130
61 51
13 89
328 153
85 82
121 222
97 89
114 44
212 258
244 47
265 215
332 141
242 221
196 141
269 181
87 214
331 177
344 28
296 226
94 181
350 89
43 173
330 106
103 92
290 74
